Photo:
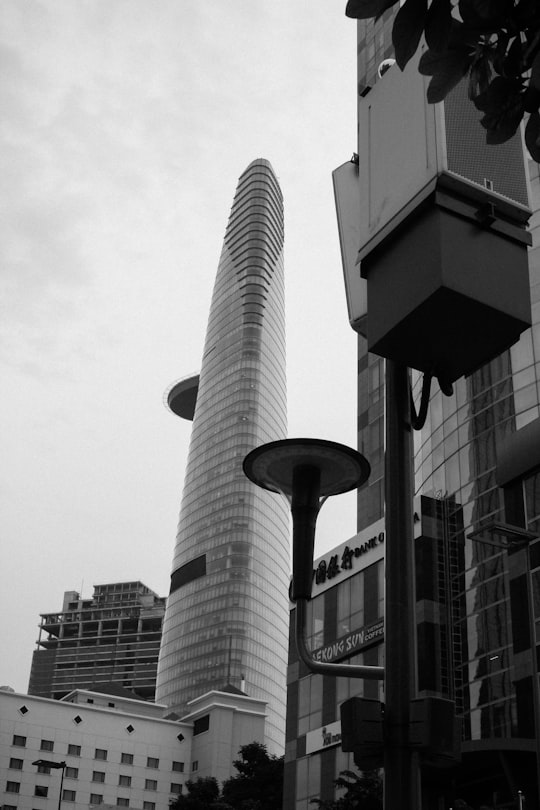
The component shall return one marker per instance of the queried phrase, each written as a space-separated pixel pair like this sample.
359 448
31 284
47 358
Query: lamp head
272 466
306 471
48 763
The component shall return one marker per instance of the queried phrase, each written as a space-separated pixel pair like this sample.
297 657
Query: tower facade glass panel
226 622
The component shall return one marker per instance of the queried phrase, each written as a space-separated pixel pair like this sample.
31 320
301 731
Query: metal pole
401 770
61 785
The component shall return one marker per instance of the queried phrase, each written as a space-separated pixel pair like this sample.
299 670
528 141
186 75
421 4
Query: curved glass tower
226 622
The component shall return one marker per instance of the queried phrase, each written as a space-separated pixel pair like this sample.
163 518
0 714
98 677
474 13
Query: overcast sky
125 125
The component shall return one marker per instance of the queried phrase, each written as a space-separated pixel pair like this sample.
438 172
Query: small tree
495 42
259 783
202 794
364 791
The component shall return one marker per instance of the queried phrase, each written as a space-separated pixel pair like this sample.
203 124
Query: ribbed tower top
244 196
181 397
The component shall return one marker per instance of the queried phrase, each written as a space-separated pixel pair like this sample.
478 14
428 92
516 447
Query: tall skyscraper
112 638
226 622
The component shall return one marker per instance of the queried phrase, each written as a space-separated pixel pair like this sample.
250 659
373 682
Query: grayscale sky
124 127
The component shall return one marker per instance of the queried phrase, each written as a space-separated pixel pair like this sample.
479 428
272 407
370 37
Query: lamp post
401 766
49 763
307 472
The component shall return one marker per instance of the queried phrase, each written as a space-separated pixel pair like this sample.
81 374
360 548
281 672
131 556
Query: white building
115 750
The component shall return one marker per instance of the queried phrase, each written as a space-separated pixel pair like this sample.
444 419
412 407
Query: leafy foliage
257 786
202 794
363 792
496 43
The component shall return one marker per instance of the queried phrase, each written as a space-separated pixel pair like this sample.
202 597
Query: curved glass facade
477 603
491 653
226 621
473 638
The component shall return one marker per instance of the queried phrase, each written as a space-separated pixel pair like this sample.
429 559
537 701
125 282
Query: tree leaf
502 105
502 133
531 100
479 77
535 72
365 9
484 14
499 95
407 30
447 69
499 52
512 64
439 24
492 10
532 136
527 13
441 84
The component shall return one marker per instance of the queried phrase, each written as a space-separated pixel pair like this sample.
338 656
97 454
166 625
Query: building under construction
112 638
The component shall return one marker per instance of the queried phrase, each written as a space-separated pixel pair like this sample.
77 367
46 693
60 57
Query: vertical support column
401 772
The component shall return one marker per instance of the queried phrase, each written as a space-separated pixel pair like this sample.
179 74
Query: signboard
324 737
355 554
351 643
347 197
347 559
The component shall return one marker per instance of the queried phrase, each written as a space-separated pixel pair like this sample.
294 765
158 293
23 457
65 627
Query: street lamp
48 763
307 472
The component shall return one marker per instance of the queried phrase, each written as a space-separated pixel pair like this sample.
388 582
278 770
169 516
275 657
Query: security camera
384 66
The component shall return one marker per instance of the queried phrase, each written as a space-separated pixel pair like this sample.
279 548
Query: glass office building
344 624
226 622
494 650
477 598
